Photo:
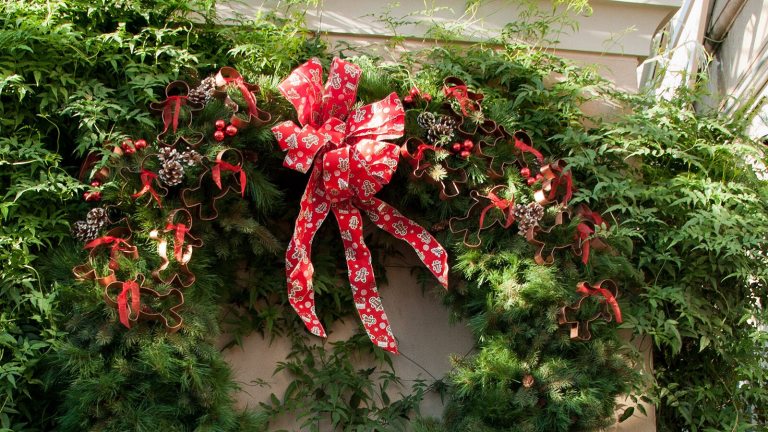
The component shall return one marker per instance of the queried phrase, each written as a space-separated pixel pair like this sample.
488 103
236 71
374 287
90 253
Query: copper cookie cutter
546 255
206 206
183 242
521 144
555 180
147 178
175 108
579 329
119 241
255 116
456 88
483 206
419 164
138 311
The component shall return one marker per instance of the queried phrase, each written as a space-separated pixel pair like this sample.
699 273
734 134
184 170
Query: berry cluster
531 179
464 149
416 94
223 130
130 146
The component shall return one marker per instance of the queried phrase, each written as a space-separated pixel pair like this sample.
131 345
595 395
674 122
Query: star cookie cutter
489 207
182 248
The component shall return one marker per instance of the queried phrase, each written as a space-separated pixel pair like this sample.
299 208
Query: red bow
118 245
351 164
501 204
587 228
122 302
521 145
180 231
147 177
229 75
586 289
223 165
468 101
171 109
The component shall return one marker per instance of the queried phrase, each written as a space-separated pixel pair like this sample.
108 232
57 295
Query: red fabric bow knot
147 177
351 164
180 231
118 244
586 289
226 166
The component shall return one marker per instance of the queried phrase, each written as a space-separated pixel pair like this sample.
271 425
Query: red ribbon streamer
585 229
523 147
180 230
147 177
118 245
239 81
352 162
585 289
223 165
122 302
171 109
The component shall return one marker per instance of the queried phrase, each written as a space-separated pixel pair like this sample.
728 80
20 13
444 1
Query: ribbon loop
609 294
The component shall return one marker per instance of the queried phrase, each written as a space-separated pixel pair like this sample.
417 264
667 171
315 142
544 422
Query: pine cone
527 216
84 232
172 172
439 129
97 218
203 93
190 157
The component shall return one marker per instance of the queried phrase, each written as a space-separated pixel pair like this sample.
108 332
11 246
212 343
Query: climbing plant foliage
678 188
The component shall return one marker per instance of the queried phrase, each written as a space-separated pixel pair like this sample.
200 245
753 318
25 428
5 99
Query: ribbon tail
361 278
122 306
242 183
612 302
314 208
178 242
430 252
176 109
216 175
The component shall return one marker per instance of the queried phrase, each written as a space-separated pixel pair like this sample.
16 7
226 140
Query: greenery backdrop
687 214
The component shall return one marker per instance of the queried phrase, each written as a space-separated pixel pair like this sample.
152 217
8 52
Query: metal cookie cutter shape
179 223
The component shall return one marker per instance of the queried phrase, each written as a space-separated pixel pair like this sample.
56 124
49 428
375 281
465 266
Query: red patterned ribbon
147 177
586 289
351 164
180 231
118 244
501 204
122 302
226 166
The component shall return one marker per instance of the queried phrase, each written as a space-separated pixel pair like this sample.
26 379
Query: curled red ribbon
468 101
147 177
131 287
586 228
231 76
501 204
587 290
118 245
226 166
521 144
352 162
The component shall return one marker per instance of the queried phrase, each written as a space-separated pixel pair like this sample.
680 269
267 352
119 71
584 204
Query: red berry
531 181
456 147
408 99
140 144
218 135
129 150
95 183
414 91
525 172
125 146
539 176
465 154
468 144
220 124
427 97
231 130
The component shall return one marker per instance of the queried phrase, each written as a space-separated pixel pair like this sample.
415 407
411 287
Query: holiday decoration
203 93
228 76
437 173
488 209
163 308
177 111
568 315
350 162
